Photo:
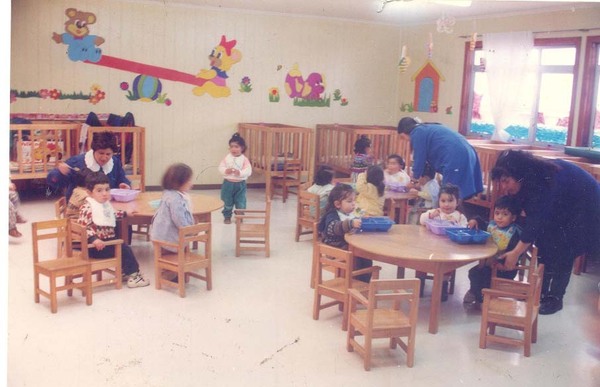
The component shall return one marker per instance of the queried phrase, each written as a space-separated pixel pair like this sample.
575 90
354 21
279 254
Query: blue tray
376 223
467 235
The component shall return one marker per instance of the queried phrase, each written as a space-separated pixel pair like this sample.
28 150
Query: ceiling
402 12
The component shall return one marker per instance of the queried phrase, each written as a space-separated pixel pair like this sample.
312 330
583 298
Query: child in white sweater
236 169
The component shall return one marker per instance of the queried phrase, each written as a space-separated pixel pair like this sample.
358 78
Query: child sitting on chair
339 219
447 202
80 193
428 190
371 187
99 219
505 233
394 172
322 186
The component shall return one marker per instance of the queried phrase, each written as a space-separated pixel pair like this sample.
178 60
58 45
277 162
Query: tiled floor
255 328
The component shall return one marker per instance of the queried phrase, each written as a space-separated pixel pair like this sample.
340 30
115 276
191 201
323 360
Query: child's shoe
469 297
137 280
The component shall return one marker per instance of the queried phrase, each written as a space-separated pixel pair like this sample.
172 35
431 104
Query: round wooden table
417 248
202 206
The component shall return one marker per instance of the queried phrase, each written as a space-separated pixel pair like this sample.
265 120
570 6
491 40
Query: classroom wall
360 59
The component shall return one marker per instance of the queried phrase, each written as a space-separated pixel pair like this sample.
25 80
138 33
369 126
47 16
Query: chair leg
181 283
53 300
209 278
88 286
36 287
368 347
316 305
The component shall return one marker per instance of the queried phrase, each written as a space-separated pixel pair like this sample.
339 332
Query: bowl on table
439 227
124 195
467 235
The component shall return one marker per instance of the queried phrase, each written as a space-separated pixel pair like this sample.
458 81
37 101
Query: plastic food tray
439 227
124 195
467 235
376 223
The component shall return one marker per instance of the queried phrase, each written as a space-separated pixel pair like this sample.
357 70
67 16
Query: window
589 117
551 121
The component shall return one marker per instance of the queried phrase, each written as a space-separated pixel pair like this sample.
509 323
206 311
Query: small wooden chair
309 212
63 265
60 208
343 280
513 305
382 320
252 228
100 266
188 258
290 176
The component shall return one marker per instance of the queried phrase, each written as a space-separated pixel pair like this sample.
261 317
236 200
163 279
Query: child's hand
472 224
434 214
98 244
356 223
124 186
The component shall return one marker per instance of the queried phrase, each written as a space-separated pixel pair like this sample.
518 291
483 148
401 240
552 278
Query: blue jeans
233 194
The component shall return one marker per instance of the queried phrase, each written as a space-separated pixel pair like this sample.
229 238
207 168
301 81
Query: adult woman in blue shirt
446 151
562 216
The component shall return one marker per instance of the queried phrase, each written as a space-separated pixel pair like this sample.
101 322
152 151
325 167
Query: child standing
363 157
339 219
448 202
505 233
370 186
394 172
236 169
428 190
322 186
175 208
99 219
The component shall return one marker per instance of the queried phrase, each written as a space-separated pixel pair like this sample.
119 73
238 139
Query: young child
363 157
322 186
99 219
370 186
394 172
505 233
236 169
448 202
175 206
339 219
428 190
14 216
80 193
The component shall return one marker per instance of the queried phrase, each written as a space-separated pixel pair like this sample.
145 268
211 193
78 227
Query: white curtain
511 73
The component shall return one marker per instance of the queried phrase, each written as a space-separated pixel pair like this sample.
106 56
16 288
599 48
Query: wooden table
202 206
397 204
416 248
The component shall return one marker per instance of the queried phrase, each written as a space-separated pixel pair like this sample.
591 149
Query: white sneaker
137 280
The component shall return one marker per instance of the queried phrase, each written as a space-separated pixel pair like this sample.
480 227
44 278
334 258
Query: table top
412 242
201 204
400 195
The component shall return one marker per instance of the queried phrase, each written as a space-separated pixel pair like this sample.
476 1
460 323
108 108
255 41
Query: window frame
587 99
468 80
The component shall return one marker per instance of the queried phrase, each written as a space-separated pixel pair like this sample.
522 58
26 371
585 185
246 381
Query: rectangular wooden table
416 248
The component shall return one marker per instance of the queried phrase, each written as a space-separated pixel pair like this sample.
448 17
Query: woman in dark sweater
562 207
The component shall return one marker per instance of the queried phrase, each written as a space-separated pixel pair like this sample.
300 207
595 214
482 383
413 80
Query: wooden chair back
252 229
336 288
514 305
308 212
111 265
193 253
487 161
289 177
390 311
60 208
63 264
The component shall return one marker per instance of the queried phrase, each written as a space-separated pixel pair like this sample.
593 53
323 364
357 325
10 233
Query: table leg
436 299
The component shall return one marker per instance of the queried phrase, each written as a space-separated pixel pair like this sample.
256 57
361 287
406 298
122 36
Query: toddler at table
505 233
447 207
99 219
339 219
394 173
322 186
370 186
428 190
236 169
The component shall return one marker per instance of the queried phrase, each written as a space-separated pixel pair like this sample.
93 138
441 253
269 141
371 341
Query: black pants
362 263
481 278
129 264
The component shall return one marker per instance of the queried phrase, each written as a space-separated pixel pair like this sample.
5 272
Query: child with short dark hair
339 219
99 219
505 233
322 186
175 208
370 186
363 157
428 191
394 172
236 169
